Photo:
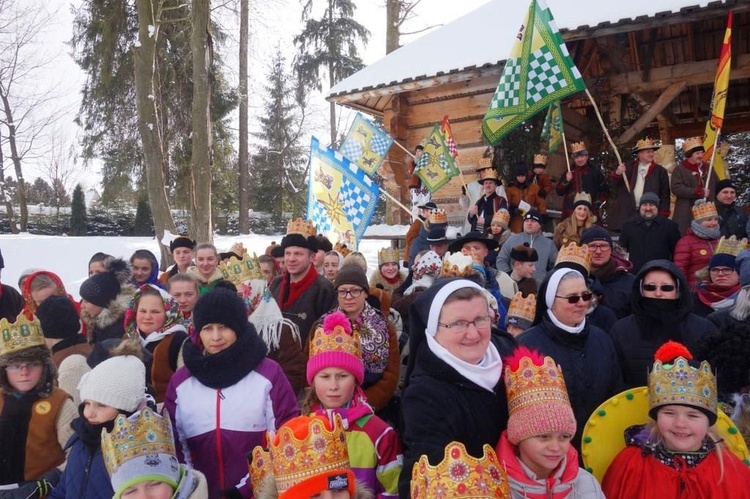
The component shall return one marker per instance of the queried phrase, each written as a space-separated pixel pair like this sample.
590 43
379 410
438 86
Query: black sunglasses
575 298
666 288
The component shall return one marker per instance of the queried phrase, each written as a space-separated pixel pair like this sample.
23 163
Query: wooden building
650 68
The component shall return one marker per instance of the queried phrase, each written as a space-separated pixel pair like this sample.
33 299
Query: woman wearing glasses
584 352
454 390
662 310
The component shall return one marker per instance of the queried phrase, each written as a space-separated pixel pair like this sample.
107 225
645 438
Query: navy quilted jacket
85 475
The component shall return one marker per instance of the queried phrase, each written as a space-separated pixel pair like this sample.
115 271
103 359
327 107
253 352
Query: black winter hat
595 233
309 242
221 306
277 251
520 170
352 274
524 253
720 186
58 318
181 242
101 289
324 243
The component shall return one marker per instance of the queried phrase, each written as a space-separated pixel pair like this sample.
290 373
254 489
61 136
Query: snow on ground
68 256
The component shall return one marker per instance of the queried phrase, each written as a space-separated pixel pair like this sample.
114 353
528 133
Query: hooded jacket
109 324
616 285
638 336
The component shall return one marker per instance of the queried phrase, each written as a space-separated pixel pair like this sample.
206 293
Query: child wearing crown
335 373
388 275
35 415
678 454
536 449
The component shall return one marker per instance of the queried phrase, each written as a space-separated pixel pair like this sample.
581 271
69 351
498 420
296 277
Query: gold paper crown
20 335
135 437
582 196
304 227
487 174
532 384
342 249
522 308
692 143
540 159
457 264
703 210
389 255
730 246
501 216
239 271
484 163
577 147
336 340
238 249
460 475
681 383
260 467
646 143
438 216
316 449
573 253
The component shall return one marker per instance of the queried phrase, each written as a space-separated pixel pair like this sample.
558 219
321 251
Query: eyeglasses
482 322
599 247
666 288
721 270
20 367
354 293
573 299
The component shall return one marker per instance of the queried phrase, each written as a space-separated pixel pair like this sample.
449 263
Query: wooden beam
662 102
695 73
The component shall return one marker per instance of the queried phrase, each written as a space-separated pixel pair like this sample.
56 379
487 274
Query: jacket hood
113 312
193 271
685 299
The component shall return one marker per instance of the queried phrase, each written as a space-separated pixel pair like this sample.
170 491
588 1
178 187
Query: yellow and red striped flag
718 101
450 141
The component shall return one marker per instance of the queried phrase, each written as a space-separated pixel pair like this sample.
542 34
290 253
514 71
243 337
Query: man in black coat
610 269
649 236
732 220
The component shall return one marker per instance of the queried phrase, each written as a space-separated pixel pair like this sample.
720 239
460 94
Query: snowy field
68 256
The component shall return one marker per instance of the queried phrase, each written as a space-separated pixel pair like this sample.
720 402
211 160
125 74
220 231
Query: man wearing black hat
610 269
584 177
533 237
181 248
480 215
732 220
438 241
11 301
649 236
523 195
419 224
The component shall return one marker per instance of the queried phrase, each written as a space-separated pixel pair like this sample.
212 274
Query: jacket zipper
86 473
219 397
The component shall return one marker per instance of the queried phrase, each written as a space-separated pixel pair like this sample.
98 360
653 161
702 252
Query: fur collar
112 313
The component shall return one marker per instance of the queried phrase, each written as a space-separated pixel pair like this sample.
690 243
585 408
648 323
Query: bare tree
399 12
6 197
60 169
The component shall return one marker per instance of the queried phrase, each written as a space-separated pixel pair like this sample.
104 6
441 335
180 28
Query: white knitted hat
118 382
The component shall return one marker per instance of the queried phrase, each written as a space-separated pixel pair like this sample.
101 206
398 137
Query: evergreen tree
39 192
78 213
329 45
277 175
143 225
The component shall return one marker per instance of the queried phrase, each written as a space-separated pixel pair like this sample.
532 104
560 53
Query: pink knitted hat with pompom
335 345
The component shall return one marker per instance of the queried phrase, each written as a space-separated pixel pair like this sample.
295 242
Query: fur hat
101 289
58 318
181 242
524 253
118 382
352 274
334 344
39 354
221 306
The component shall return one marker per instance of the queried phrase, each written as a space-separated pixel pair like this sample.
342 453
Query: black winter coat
11 303
617 290
646 241
439 406
732 221
589 365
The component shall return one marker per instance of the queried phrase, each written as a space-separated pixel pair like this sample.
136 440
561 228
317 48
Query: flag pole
405 149
396 201
463 180
713 157
565 149
609 138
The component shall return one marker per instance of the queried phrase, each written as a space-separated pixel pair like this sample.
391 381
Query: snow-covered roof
485 36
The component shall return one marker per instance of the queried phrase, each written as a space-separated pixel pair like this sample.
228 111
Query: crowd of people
471 371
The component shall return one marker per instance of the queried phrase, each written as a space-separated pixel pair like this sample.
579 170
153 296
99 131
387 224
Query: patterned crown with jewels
533 383
438 216
730 246
522 308
703 210
144 435
573 253
238 249
319 447
647 143
389 255
19 335
582 196
239 271
692 143
335 339
260 467
676 381
501 217
577 147
540 159
303 227
457 264
460 475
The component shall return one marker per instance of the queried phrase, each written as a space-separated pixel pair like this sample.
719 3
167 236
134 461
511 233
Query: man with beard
649 236
732 220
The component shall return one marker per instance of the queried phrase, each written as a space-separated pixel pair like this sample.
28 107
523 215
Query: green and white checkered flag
538 72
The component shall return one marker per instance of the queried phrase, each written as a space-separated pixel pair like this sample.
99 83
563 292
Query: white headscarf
549 298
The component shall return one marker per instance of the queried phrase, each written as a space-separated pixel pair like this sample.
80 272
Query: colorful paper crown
303 227
438 216
540 159
704 209
502 217
484 163
573 253
730 246
144 436
522 308
305 449
259 467
577 147
487 174
388 255
238 249
673 380
334 344
538 400
457 265
460 475
645 144
20 335
239 271
692 143
583 197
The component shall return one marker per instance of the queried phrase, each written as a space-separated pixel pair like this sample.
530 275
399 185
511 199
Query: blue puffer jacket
85 475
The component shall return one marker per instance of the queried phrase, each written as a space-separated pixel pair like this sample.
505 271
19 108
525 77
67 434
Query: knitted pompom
337 319
514 359
670 350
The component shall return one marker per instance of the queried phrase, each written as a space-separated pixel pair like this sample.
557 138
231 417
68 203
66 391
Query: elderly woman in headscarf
585 353
454 390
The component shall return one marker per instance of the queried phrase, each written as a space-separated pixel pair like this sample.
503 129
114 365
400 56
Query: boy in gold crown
35 415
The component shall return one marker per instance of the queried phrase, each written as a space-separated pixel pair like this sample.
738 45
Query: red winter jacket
693 254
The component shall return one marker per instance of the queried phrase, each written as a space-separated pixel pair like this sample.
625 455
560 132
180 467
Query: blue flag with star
341 197
366 144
